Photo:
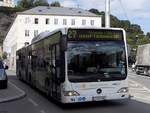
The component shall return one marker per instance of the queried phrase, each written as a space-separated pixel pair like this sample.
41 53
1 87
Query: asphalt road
142 79
36 102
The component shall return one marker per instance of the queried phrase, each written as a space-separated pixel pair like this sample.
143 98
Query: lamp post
107 13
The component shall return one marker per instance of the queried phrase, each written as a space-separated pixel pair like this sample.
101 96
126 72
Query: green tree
41 3
30 3
23 4
55 4
148 34
95 11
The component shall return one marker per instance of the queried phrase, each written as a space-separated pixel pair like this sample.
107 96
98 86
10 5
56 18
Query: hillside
7 16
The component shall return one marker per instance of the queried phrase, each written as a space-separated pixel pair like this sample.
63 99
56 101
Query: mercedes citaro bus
75 65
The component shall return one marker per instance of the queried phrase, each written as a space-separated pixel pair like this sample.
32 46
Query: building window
47 21
83 22
55 21
27 33
35 33
36 20
73 22
64 22
92 22
27 20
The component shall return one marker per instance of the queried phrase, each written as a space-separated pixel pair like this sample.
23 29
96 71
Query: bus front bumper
79 99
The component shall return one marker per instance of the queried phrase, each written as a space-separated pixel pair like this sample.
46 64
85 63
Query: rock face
5 22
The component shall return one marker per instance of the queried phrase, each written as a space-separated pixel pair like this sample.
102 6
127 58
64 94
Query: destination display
94 34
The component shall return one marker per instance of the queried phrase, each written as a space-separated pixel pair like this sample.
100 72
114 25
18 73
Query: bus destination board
94 34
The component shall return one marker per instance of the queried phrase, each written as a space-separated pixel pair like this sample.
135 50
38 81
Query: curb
22 95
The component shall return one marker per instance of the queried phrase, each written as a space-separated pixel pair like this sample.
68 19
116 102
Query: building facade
7 3
30 23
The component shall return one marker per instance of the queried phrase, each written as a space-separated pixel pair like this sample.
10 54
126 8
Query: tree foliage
31 3
55 4
40 3
23 3
148 34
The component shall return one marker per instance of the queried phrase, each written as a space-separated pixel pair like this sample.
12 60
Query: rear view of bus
95 65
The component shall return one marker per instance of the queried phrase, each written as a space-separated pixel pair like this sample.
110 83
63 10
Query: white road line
136 84
33 102
16 87
146 88
42 111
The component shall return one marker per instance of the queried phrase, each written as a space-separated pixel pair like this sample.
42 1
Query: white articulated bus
75 65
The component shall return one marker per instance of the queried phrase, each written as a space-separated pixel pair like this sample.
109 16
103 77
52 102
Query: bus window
97 60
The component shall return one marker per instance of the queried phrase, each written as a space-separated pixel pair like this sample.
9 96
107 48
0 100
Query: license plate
98 98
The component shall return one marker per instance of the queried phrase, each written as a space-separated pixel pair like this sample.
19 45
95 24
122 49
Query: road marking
33 102
139 92
138 84
42 111
16 87
146 88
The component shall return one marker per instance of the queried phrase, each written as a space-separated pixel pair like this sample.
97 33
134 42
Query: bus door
55 71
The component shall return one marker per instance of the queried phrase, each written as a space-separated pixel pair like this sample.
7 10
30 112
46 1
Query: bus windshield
96 61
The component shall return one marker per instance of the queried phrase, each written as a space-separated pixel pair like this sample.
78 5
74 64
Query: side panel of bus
45 65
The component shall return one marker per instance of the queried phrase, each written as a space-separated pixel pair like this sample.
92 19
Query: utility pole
107 13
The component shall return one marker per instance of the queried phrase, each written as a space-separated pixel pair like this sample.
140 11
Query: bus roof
64 32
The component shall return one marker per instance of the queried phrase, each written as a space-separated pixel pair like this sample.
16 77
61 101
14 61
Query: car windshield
96 61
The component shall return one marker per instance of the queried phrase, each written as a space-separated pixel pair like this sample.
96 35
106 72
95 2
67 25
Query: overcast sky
137 11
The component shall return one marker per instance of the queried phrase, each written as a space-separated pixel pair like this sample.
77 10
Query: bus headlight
71 93
123 90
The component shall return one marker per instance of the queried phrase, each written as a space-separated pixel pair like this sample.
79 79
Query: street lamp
107 13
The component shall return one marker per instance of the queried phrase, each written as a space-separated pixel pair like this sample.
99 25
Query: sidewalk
11 93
